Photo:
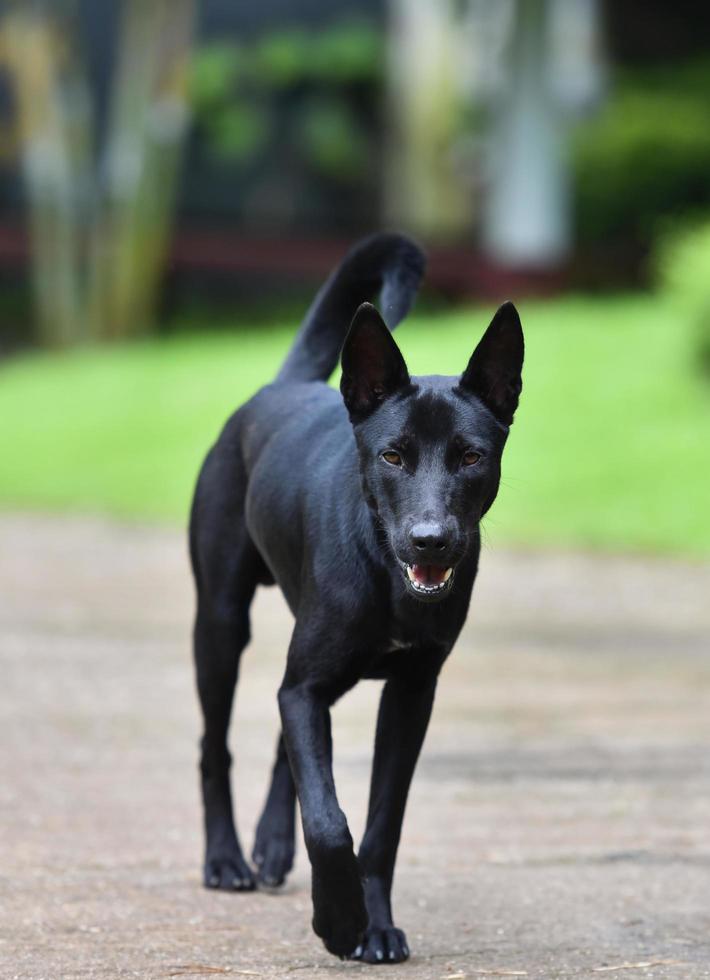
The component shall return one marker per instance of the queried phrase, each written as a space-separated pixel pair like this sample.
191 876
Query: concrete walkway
559 824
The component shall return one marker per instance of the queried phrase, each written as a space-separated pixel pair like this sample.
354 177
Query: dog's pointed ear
373 366
494 373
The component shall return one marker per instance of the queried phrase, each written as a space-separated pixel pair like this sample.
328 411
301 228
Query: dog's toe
243 884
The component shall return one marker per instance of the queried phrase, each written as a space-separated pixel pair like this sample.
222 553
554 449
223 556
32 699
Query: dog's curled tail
388 263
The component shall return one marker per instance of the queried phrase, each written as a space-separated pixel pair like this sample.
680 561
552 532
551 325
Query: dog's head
430 447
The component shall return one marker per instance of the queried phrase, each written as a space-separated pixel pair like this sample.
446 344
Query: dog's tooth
447 575
410 573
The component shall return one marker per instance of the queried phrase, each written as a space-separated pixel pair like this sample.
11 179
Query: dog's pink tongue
429 574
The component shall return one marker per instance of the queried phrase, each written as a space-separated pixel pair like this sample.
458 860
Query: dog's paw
273 857
382 945
229 873
339 914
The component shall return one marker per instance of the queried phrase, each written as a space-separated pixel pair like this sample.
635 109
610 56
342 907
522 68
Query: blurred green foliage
307 83
609 449
682 260
646 155
330 139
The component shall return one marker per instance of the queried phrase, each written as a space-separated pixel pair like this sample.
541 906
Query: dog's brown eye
470 458
391 457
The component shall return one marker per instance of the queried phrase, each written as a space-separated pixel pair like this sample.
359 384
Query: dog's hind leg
227 569
275 835
218 645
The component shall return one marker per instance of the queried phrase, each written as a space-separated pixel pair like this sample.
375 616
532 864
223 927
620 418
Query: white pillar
526 207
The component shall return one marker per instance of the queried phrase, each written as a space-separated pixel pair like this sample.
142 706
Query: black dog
365 510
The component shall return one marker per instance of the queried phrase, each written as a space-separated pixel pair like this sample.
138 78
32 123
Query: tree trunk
140 165
100 232
422 189
31 48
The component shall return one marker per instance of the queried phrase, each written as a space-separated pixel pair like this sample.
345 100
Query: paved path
559 824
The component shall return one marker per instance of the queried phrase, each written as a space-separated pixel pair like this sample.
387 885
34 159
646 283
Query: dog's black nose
430 540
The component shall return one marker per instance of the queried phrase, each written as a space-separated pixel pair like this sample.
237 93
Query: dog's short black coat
365 509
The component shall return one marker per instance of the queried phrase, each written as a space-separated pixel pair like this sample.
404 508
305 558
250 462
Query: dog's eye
391 457
470 457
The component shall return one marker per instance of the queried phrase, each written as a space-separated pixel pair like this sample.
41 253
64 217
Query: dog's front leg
402 722
339 914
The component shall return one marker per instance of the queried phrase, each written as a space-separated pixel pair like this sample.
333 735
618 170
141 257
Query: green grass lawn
610 450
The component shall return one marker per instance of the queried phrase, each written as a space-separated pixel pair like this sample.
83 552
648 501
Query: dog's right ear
373 366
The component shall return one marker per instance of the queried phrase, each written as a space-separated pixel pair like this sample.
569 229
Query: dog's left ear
373 366
494 373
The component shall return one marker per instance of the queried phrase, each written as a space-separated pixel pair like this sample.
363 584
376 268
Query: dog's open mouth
429 580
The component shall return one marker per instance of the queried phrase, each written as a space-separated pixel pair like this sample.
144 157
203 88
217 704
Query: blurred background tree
292 118
531 143
181 168
100 218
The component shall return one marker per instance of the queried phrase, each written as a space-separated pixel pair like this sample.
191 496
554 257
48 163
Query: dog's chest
390 656
398 645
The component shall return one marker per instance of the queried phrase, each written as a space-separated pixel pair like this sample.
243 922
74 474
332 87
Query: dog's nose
429 540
